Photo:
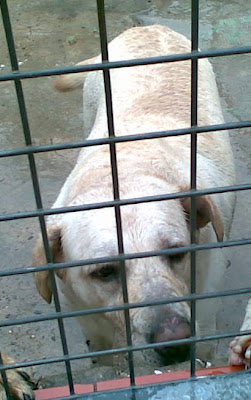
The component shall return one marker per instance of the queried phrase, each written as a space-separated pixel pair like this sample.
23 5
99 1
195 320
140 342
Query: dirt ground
52 33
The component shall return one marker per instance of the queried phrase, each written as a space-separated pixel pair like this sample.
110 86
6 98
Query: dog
145 99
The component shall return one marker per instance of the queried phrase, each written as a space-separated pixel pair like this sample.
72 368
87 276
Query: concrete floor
62 32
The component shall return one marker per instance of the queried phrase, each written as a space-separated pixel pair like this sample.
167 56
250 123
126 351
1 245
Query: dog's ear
42 278
207 211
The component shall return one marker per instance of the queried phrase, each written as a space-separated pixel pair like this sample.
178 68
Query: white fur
145 98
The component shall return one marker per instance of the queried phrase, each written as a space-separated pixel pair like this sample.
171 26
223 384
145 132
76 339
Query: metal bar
128 256
34 177
152 303
115 180
137 200
126 349
126 63
193 171
112 140
126 138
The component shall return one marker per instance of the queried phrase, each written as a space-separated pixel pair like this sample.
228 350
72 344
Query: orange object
54 393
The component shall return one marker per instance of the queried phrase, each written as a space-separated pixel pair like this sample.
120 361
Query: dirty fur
145 99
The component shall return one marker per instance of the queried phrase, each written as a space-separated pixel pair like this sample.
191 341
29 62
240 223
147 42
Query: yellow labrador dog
145 99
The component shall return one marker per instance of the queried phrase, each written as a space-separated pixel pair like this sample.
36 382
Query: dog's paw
240 351
20 384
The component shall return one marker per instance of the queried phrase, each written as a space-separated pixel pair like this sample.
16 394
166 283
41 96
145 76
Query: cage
132 387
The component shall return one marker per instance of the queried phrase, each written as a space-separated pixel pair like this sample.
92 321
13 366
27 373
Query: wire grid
30 150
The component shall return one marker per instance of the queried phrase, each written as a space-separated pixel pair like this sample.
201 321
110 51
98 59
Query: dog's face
146 227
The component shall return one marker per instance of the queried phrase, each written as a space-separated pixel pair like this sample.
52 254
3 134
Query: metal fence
41 212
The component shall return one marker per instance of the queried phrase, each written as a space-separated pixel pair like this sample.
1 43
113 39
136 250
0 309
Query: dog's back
157 97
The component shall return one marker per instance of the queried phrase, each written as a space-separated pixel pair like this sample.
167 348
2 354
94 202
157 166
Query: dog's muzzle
173 327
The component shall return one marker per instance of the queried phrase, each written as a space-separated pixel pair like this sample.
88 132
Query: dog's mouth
174 354
170 328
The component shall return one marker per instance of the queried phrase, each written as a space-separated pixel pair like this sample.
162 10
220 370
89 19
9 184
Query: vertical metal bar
193 165
34 177
115 180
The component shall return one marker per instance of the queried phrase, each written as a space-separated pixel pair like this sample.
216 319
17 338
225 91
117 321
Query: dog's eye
176 258
106 273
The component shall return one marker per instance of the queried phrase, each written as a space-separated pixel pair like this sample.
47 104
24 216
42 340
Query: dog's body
145 99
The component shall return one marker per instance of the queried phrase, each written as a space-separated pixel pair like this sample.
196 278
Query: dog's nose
173 327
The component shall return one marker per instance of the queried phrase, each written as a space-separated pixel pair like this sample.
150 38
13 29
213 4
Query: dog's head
146 227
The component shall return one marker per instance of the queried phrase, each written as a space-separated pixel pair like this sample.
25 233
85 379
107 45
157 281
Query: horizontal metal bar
126 63
125 349
125 138
30 150
112 203
129 306
129 256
